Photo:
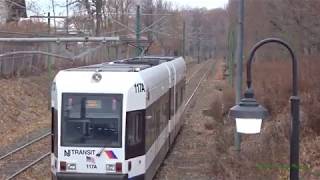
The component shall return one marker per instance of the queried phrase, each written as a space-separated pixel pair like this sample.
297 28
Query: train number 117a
139 87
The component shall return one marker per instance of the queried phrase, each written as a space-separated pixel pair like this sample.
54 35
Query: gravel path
192 155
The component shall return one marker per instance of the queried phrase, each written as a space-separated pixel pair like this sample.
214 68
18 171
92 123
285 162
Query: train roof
126 65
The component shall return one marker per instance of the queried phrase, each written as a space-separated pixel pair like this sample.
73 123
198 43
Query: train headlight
97 77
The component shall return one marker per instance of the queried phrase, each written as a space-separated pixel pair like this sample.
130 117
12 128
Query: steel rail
197 87
193 74
28 166
44 135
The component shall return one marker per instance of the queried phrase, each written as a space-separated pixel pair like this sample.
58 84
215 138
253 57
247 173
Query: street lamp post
249 114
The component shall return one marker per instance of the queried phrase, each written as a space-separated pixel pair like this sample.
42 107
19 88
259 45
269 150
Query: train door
172 108
135 142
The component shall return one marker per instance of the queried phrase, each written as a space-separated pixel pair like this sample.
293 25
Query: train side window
134 128
166 106
181 95
158 124
177 100
54 121
135 134
130 131
138 128
171 101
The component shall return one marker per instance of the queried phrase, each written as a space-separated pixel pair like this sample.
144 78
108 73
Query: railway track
20 159
198 83
195 72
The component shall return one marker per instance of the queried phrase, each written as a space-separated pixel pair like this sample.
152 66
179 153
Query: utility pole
149 19
54 14
98 16
49 61
237 137
49 49
199 49
184 40
199 45
48 22
67 20
138 29
230 57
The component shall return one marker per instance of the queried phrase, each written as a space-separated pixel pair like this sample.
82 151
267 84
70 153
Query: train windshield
91 120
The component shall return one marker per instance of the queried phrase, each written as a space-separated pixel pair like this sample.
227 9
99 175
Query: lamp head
248 114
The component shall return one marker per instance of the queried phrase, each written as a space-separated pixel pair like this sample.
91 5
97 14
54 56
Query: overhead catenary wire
142 14
16 57
61 39
166 34
71 58
177 36
35 52
116 31
151 25
45 34
121 24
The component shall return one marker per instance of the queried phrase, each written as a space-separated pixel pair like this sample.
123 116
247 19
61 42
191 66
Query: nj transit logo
70 152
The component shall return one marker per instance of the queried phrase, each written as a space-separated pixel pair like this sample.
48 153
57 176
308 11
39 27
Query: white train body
116 120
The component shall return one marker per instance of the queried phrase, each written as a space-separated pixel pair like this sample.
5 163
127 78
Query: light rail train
116 120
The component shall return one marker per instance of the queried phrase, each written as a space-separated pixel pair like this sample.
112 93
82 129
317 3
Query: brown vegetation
25 108
295 21
266 156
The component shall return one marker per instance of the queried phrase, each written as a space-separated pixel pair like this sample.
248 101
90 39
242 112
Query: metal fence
75 55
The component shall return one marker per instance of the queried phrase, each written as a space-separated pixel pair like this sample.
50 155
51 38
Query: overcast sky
45 5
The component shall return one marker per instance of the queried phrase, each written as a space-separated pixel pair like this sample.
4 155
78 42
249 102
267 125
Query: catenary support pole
49 62
98 16
67 21
138 29
67 18
239 58
184 39
49 49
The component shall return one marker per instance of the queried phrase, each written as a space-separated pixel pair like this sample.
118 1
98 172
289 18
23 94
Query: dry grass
272 86
215 111
208 125
228 99
26 26
24 107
